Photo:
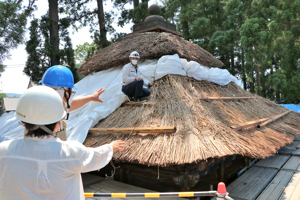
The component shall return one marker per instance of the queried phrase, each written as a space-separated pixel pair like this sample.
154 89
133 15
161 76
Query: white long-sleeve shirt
48 168
130 73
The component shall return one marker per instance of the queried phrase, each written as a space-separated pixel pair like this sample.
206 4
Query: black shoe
130 98
140 100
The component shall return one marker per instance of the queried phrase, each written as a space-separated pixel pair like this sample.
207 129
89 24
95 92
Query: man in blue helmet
61 79
132 80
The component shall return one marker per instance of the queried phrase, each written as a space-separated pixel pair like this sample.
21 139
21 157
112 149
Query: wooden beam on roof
167 129
248 124
272 119
260 122
130 103
224 98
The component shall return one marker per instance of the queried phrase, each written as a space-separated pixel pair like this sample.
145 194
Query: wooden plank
293 145
248 124
224 98
277 185
276 161
292 190
273 118
130 103
296 152
297 138
260 122
167 129
289 148
298 145
285 150
292 163
249 185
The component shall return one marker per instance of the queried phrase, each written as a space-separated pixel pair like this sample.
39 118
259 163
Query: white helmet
40 105
134 54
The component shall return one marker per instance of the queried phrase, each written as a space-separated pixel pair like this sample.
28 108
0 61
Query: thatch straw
150 45
203 127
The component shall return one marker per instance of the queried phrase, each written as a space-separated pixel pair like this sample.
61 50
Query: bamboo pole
130 103
167 129
224 98
272 119
248 124
260 122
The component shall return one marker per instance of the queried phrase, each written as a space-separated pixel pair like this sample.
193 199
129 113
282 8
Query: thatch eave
150 45
202 127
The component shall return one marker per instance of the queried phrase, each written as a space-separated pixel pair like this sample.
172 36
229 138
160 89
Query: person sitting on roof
132 81
41 166
61 79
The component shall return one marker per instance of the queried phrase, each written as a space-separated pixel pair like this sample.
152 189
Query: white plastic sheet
88 115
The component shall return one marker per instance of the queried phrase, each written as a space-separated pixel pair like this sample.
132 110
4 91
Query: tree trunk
145 8
232 62
103 39
258 84
244 77
54 36
184 22
252 82
135 3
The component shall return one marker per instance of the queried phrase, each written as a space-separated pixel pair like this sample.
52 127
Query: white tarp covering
88 115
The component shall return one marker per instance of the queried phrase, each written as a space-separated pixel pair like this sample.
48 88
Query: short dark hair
38 132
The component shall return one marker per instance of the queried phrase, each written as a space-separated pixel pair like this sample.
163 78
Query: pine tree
12 28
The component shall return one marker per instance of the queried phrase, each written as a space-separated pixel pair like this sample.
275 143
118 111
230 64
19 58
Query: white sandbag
218 76
170 64
235 80
197 71
147 69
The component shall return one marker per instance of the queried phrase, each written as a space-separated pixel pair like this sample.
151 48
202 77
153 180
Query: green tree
12 28
81 15
84 52
43 48
2 95
135 15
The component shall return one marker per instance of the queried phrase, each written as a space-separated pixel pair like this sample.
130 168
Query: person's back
41 166
35 168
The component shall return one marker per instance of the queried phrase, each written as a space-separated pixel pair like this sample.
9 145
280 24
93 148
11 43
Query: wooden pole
260 122
168 129
224 98
248 124
272 119
130 103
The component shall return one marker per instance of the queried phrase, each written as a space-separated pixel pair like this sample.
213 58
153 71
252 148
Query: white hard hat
40 105
134 54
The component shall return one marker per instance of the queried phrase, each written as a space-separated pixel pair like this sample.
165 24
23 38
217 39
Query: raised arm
80 101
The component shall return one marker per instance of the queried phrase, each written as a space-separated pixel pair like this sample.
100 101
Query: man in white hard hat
132 82
61 79
41 166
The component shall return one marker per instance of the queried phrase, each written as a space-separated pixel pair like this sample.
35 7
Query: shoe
129 99
140 100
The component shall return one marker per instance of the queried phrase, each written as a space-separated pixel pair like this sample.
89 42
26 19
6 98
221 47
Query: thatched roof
203 127
150 45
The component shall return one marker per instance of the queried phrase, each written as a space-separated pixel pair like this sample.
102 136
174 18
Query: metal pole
153 195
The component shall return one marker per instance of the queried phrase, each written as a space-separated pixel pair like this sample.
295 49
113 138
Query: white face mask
61 93
134 62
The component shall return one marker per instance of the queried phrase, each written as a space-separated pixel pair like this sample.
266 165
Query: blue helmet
58 76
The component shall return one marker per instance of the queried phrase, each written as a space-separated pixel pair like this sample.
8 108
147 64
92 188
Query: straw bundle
203 127
150 45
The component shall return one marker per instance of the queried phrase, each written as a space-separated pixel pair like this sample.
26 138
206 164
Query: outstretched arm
80 101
